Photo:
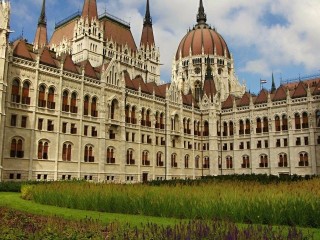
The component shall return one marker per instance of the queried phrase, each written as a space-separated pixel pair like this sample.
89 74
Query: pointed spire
209 75
147 18
42 18
147 37
90 10
201 16
41 39
273 87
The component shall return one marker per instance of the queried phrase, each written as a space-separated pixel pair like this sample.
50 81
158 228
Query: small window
24 121
13 122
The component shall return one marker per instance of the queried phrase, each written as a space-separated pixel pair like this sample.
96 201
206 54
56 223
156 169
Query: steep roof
228 103
209 88
89 70
300 91
46 58
262 97
69 65
90 10
147 38
20 49
64 31
245 100
187 99
280 94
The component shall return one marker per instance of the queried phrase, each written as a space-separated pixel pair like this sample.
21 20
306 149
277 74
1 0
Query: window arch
241 127
145 158
206 129
305 120
186 161
160 162
15 91
16 149
206 163
263 161
225 129
51 104
25 93
229 163
265 124
143 120
43 149
297 121
42 96
73 107
198 91
86 105
284 122
196 162
133 115
245 161
247 131
231 126
259 126
303 159
148 122
66 151
111 155
283 160
65 100
130 160
161 120
88 153
277 123
94 112
127 114
113 108
174 163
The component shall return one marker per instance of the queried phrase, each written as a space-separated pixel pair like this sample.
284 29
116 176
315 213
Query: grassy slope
13 200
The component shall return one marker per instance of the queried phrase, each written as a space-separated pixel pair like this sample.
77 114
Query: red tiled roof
89 70
187 99
228 103
20 49
316 90
69 65
138 82
147 38
209 88
90 10
245 100
46 58
300 91
262 97
40 39
280 94
63 32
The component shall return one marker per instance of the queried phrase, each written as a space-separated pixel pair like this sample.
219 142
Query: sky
264 36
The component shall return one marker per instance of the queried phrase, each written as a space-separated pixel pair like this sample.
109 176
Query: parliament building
88 103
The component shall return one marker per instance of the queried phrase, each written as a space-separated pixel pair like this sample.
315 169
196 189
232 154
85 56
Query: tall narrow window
206 129
86 106
94 112
88 154
15 91
245 161
305 120
206 164
133 116
263 161
127 112
159 160
16 149
229 163
231 129
143 121
284 123
51 104
73 107
186 161
25 93
66 152
42 96
277 123
225 129
265 124
43 149
110 156
145 158
174 163
130 160
148 122
241 127
297 121
304 161
258 129
65 99
283 161
196 162
247 131
318 118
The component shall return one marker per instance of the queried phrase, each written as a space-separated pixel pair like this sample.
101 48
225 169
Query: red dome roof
202 36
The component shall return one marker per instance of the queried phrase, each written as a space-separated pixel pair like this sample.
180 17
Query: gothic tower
4 35
88 36
148 49
41 38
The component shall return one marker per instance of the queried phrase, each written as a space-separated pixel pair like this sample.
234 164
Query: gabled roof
69 65
228 103
46 58
63 32
90 10
245 100
187 99
138 82
280 94
209 88
21 50
262 97
316 90
300 91
89 70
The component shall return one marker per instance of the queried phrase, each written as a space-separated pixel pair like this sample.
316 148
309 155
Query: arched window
186 161
113 108
16 149
145 158
245 161
65 99
305 120
265 124
241 127
148 122
43 149
231 129
247 131
73 107
110 155
143 121
86 106
303 160
66 152
42 96
297 121
318 118
185 125
198 91
263 161
196 162
25 93
225 129
277 123
162 121
284 123
15 91
130 160
259 126
157 125
229 163
88 154
94 112
160 162
51 104
206 164
283 160
218 129
133 115
206 129
127 113
188 126
174 163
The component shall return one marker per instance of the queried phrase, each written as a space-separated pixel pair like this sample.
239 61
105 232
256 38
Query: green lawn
13 200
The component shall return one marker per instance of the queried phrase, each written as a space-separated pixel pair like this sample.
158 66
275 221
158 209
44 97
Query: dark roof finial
42 18
201 16
147 18
273 87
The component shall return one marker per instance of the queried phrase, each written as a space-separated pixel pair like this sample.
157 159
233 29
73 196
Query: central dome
202 38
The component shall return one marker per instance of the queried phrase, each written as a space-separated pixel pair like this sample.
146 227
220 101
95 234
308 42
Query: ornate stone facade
89 105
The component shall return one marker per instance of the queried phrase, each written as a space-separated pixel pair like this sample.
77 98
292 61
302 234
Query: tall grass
285 203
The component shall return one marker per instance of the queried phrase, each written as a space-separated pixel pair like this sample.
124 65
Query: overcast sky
264 36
